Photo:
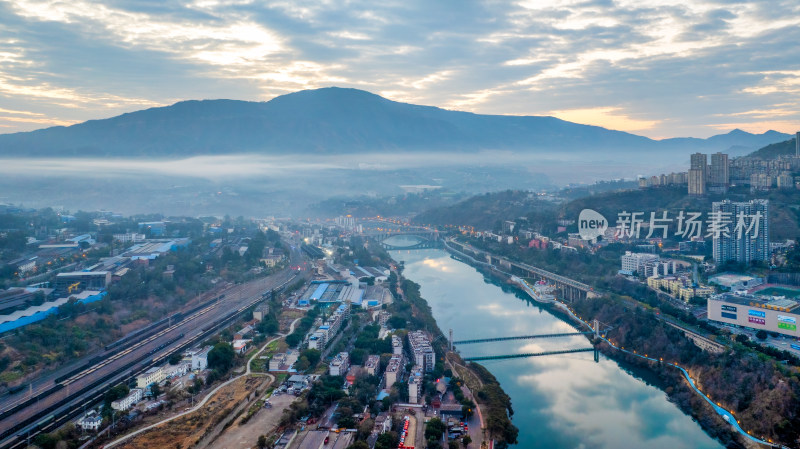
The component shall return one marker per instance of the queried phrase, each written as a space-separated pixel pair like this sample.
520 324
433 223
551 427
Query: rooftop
785 305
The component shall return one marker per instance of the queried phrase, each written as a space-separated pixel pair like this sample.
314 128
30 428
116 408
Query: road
124 364
208 396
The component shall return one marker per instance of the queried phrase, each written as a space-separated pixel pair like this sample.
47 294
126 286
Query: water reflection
564 401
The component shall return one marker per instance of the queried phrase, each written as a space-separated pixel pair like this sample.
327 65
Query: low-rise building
240 346
261 312
635 262
282 362
78 281
393 370
153 375
373 365
200 359
424 355
383 318
127 402
178 370
415 385
339 364
383 422
90 421
243 333
397 345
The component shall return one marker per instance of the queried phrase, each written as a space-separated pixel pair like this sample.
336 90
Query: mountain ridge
331 121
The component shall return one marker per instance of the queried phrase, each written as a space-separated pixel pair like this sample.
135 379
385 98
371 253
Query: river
562 401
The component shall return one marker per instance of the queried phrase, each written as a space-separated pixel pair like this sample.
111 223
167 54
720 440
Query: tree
761 334
467 410
116 392
221 356
388 440
312 355
742 338
155 390
175 358
435 429
466 440
359 445
453 444
397 322
262 441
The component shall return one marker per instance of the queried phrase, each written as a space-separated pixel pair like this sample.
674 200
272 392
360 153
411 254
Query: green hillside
486 212
774 150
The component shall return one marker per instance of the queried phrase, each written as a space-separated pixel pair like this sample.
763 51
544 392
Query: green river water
562 401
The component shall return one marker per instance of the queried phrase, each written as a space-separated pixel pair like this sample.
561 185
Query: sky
658 68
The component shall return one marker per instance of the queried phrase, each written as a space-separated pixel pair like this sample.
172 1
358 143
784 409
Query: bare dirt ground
189 429
264 421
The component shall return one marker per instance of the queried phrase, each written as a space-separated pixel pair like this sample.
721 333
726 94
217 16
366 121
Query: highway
81 389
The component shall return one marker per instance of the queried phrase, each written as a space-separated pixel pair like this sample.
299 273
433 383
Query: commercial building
153 375
127 402
744 235
779 315
339 364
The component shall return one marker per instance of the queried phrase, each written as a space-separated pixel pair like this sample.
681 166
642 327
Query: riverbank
494 405
680 386
567 401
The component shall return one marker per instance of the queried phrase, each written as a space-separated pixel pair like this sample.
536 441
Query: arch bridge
425 239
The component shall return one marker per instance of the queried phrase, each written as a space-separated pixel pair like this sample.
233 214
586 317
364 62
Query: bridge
520 337
595 332
533 354
565 288
426 238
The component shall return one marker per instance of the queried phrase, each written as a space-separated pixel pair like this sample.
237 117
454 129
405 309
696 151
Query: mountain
735 143
335 121
772 151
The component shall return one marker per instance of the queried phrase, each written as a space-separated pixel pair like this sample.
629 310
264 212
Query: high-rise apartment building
719 174
697 174
745 231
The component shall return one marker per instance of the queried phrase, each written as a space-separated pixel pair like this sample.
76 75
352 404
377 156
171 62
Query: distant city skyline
658 68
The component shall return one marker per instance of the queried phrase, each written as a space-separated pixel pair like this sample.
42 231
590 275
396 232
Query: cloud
607 117
657 67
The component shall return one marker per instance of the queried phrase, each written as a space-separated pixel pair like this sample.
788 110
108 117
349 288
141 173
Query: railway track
54 415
